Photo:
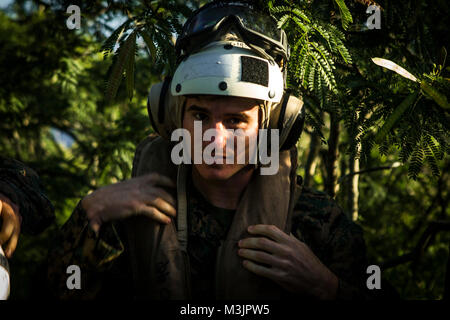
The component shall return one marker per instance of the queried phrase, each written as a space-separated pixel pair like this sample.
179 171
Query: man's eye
200 116
234 121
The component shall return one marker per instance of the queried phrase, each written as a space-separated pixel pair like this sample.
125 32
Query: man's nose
220 138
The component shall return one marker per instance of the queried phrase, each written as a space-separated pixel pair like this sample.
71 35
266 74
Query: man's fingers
259 256
8 225
155 214
259 269
12 244
165 195
10 229
163 201
164 207
95 224
261 243
160 180
269 231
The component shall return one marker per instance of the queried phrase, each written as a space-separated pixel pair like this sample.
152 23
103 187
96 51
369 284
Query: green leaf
281 23
388 64
150 45
438 97
393 118
346 16
301 14
115 77
129 71
108 44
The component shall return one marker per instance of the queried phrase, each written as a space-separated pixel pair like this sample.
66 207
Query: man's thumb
95 224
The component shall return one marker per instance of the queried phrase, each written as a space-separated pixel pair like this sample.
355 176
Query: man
23 205
212 226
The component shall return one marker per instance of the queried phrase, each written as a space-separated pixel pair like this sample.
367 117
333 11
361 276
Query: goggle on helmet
257 29
227 69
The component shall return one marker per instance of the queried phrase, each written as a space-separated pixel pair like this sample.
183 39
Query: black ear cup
282 114
149 111
295 131
288 117
157 103
161 106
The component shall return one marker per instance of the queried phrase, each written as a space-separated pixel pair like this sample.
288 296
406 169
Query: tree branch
394 165
330 163
310 161
423 243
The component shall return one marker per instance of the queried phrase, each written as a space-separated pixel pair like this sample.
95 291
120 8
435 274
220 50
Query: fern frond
416 163
282 21
150 45
299 13
118 66
129 69
113 39
346 16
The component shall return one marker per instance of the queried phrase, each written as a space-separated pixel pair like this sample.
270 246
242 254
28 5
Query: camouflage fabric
317 220
22 186
77 244
208 226
336 240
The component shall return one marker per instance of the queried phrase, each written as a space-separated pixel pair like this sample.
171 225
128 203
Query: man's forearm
77 244
21 185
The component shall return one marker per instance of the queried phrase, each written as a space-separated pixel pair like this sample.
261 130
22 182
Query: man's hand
142 195
10 221
287 261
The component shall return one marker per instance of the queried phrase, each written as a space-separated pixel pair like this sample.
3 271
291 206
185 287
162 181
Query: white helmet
228 68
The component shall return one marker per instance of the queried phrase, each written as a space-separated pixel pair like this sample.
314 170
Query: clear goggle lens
251 20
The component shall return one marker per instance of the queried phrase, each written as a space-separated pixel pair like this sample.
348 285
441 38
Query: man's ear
183 110
260 115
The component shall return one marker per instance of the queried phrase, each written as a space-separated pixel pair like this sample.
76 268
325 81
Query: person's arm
347 259
336 240
23 203
89 238
78 244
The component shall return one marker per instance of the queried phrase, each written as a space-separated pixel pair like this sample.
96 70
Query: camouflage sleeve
77 244
336 240
22 186
347 259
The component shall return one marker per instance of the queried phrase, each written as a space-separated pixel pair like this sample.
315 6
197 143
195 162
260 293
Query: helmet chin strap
266 108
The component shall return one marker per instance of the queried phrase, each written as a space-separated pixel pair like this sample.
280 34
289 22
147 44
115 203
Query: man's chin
218 172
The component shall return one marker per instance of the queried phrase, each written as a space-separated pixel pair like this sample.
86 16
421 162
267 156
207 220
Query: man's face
222 113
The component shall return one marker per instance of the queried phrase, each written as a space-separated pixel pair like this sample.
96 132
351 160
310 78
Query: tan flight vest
158 253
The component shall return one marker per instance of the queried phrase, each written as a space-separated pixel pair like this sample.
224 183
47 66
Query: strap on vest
182 232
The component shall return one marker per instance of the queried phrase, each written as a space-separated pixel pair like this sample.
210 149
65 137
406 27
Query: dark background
73 107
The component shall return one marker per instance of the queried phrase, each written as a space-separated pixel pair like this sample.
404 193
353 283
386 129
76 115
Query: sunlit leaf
388 64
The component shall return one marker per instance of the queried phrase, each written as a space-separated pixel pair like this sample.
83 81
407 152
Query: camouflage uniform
317 220
21 185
